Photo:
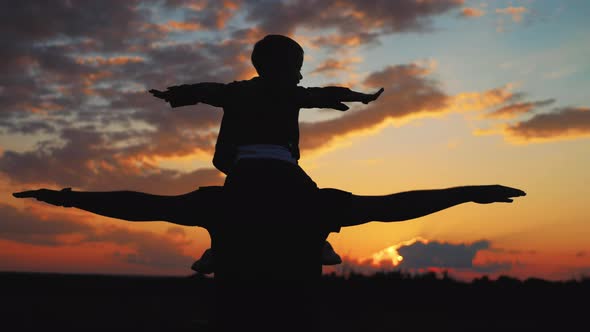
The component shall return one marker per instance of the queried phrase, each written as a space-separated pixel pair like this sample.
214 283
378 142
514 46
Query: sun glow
390 254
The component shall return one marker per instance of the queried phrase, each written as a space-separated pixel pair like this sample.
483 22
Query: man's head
278 58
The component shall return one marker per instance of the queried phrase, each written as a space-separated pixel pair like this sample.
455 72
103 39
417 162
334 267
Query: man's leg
197 208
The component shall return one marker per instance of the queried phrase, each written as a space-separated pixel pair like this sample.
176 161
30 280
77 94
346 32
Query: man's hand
493 194
371 97
55 197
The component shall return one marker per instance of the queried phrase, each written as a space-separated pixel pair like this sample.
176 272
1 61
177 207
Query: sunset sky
476 92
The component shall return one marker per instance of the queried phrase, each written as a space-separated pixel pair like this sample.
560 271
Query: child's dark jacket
256 111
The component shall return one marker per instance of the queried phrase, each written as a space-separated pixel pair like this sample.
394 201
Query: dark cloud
349 16
564 122
421 255
40 41
30 82
89 157
32 127
41 67
103 22
213 14
78 72
57 87
88 160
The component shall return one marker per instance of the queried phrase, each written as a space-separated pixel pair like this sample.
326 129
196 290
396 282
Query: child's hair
274 54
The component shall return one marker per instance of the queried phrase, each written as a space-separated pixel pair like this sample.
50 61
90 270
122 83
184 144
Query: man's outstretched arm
192 94
414 204
127 205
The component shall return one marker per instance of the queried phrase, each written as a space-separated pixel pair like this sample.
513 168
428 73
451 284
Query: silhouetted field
382 302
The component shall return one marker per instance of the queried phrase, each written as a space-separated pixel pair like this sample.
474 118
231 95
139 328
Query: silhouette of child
261 115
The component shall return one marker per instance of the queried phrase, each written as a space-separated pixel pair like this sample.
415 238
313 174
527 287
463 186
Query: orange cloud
409 94
117 60
515 12
91 78
344 40
211 14
196 5
181 26
333 65
222 18
38 227
251 35
516 109
471 12
397 75
479 101
42 108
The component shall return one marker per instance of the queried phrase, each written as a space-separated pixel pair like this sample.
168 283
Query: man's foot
55 197
329 256
204 265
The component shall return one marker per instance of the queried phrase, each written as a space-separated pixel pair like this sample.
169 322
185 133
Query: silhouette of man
201 208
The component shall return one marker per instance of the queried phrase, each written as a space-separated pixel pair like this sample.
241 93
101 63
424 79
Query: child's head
278 58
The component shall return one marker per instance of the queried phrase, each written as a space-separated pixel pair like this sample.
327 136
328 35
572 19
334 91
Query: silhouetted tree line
380 302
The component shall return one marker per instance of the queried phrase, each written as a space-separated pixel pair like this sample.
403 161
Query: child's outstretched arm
192 94
334 96
187 209
414 204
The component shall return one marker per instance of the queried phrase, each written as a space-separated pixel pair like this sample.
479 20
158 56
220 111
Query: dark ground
384 302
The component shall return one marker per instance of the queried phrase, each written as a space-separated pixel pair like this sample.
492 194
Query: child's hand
177 95
161 94
371 97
